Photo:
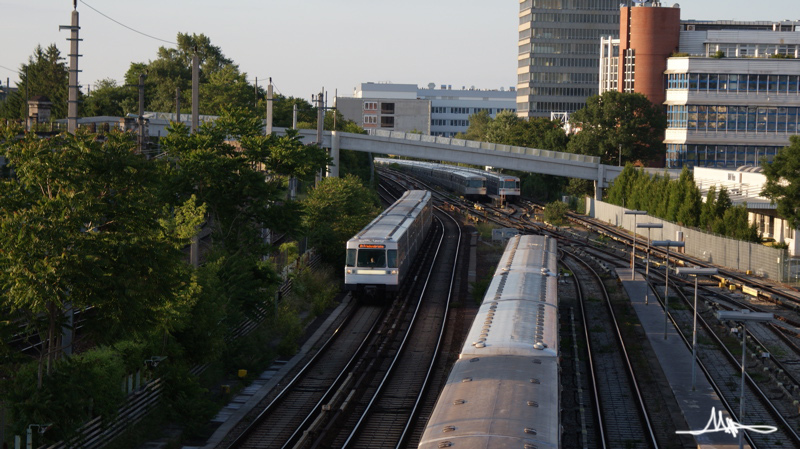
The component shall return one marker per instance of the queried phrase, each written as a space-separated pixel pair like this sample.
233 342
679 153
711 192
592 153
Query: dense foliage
616 122
46 75
680 201
783 181
92 226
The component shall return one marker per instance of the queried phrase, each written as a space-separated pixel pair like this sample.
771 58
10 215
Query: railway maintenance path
676 362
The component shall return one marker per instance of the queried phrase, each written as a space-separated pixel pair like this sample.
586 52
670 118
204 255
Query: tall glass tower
559 53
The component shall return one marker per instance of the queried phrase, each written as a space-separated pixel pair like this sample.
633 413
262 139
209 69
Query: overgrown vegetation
680 201
96 228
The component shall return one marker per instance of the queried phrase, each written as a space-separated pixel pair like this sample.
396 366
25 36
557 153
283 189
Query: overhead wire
126 26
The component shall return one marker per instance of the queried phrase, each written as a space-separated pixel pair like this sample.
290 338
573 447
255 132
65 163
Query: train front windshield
372 258
511 184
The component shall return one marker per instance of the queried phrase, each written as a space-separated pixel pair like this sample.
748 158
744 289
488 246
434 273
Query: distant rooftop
707 25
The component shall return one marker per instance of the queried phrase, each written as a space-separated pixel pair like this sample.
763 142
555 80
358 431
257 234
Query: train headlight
393 272
349 271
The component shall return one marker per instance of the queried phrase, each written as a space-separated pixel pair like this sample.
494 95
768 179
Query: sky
308 45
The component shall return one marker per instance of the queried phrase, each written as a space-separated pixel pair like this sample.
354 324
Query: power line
12 70
126 26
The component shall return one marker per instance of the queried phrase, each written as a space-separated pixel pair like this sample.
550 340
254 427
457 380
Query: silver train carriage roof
519 314
459 171
393 222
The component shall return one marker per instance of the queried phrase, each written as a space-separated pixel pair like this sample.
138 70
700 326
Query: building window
371 119
370 105
459 110
438 110
387 108
630 70
387 122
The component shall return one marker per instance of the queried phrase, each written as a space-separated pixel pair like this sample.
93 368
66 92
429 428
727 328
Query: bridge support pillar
333 170
598 183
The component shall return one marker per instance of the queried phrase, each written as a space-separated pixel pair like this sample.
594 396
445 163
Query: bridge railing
485 146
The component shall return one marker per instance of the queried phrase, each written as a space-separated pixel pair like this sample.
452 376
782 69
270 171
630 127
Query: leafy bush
77 389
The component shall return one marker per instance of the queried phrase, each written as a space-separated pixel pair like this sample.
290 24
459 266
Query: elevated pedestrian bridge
448 149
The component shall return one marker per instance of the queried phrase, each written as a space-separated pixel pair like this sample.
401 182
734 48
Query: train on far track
380 255
499 186
463 182
504 390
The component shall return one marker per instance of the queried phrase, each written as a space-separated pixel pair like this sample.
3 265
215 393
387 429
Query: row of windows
560 78
459 110
575 18
722 156
558 91
459 122
438 122
559 62
547 106
734 50
558 49
606 5
566 33
734 118
438 110
725 83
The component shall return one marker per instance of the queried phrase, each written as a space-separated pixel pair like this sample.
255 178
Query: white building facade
744 186
735 99
406 107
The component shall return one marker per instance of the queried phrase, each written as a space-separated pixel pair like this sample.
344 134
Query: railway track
352 390
623 417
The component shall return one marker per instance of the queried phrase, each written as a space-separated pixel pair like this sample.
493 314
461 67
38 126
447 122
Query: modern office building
406 107
558 45
730 89
735 98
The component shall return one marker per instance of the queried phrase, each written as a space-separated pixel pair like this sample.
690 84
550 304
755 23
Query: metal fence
761 260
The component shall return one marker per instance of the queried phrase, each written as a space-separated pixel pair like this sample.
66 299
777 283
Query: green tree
46 75
617 120
106 98
478 125
555 213
783 182
335 211
80 230
222 85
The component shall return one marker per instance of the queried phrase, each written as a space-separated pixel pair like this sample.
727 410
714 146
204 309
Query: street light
649 226
696 272
635 213
744 316
667 243
40 428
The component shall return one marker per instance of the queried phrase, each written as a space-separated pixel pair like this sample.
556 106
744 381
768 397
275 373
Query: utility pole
178 104
255 94
195 91
320 126
269 107
72 102
140 119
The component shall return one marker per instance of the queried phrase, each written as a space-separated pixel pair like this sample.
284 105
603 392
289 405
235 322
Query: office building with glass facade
558 45
732 95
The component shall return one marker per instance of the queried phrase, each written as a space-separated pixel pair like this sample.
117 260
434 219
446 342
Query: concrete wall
742 256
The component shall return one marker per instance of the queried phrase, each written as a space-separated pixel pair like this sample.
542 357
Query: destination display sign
371 245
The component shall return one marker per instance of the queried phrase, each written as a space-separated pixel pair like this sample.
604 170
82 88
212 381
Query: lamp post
40 428
635 213
667 243
648 226
744 316
696 272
